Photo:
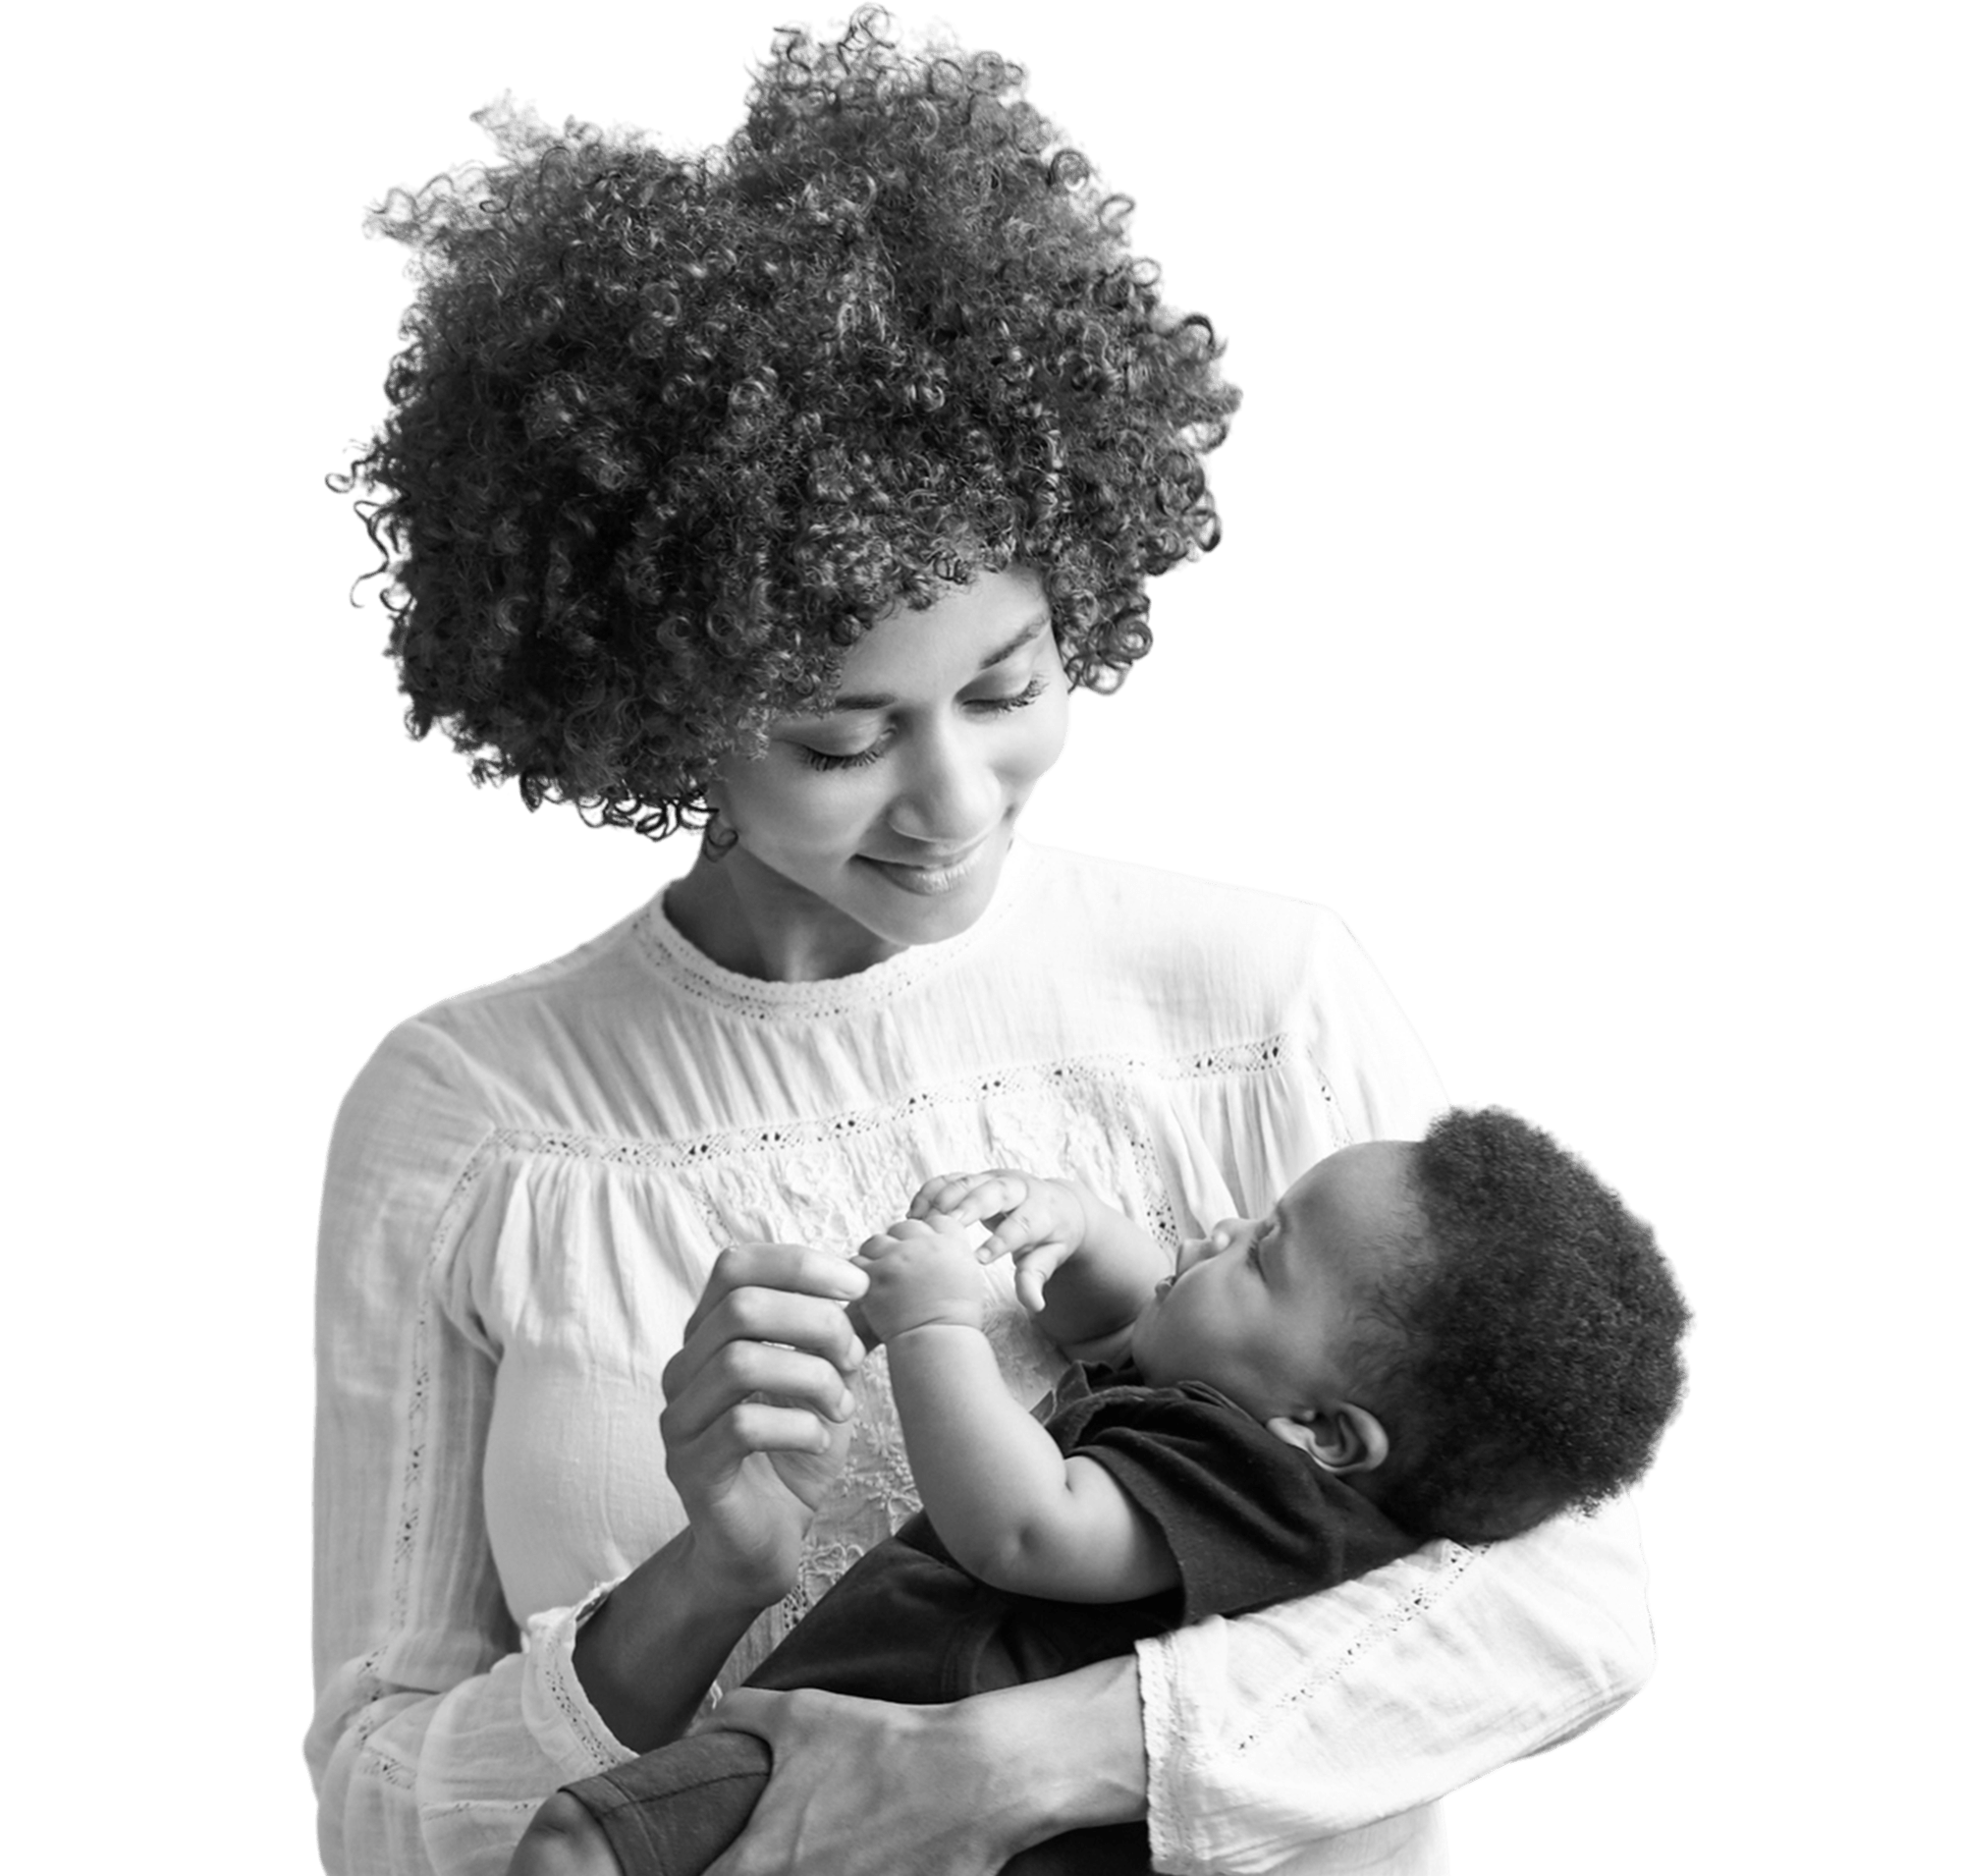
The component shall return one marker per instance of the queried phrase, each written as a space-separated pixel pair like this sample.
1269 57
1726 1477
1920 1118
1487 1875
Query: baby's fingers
1033 1271
1023 1229
964 1197
942 1191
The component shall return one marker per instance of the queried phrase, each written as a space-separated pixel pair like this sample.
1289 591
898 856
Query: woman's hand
563 1839
759 1411
862 1788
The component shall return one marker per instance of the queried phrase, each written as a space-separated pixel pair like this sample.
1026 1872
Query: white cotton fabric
526 1190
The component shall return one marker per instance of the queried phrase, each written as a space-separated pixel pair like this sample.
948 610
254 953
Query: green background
1580 635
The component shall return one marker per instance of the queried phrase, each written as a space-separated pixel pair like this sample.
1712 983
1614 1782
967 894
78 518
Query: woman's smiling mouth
942 877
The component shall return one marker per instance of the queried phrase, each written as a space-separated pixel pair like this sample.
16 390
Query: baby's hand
922 1272
1039 1222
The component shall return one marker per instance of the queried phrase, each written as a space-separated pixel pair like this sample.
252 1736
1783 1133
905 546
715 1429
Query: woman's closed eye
988 706
1016 701
849 759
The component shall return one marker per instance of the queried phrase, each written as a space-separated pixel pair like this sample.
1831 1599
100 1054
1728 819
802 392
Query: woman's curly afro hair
1532 1358
670 433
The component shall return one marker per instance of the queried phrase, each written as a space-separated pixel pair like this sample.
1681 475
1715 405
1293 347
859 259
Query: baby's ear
1341 1438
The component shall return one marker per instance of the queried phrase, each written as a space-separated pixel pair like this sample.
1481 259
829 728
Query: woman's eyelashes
856 759
872 752
1016 701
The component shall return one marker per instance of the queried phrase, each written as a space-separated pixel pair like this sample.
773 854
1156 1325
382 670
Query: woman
787 493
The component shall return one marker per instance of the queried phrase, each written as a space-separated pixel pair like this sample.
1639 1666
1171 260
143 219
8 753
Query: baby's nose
1197 1251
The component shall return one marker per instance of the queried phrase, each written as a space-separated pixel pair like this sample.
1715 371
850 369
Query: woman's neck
746 918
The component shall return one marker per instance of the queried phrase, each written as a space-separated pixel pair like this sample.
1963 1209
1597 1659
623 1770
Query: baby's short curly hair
1526 1359
669 433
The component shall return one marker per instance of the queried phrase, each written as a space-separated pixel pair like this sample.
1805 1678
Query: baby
1455 1337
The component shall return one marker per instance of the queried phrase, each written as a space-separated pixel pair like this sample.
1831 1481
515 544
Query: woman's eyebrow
1037 625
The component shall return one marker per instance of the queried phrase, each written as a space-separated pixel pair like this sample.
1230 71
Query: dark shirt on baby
1250 1519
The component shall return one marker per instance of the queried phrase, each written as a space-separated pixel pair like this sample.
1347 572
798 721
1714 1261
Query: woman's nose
952 794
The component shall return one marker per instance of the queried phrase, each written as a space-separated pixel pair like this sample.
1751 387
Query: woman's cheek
811 809
1049 734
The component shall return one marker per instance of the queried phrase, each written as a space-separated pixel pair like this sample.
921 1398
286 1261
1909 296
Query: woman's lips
942 877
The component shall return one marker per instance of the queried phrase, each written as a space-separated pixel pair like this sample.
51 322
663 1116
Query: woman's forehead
967 630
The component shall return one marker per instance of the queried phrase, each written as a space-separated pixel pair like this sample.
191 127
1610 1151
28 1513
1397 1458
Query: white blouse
528 1186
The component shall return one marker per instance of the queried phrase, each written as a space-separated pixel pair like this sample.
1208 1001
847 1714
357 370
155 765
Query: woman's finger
750 1426
785 1721
861 1788
817 1325
794 1269
742 1370
738 1370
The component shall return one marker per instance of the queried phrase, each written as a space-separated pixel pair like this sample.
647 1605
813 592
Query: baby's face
1260 1309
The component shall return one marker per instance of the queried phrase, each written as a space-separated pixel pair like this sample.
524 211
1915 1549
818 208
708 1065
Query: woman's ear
719 833
1341 1438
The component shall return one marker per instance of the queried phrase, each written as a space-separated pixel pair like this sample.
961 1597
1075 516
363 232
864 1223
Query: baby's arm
1013 1509
1083 1270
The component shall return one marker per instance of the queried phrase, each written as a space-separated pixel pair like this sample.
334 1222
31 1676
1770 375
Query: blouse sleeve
434 1735
1272 1734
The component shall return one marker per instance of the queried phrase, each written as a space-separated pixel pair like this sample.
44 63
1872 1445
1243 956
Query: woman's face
883 821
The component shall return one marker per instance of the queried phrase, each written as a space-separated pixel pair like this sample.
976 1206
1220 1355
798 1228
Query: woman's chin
922 906
921 921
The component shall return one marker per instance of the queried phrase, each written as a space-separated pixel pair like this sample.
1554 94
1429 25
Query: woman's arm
1270 1733
861 1788
434 1735
1275 1731
1262 1747
750 1471
1263 1741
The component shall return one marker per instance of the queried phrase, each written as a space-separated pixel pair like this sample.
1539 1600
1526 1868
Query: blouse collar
758 999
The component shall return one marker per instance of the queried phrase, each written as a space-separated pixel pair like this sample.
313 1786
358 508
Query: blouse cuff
1172 1846
558 1713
